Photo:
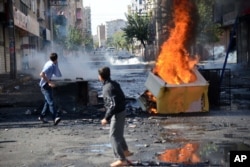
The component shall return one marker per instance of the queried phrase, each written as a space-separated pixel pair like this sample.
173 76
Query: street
190 139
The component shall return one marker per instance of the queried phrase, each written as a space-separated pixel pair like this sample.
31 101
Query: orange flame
174 64
186 154
151 99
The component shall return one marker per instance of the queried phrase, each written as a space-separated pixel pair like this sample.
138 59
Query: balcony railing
79 14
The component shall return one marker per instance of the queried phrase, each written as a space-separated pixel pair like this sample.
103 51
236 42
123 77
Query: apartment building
141 7
20 31
27 27
113 26
101 35
87 21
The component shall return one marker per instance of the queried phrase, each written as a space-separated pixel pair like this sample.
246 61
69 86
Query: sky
106 10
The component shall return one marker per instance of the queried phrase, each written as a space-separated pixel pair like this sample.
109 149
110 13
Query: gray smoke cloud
72 66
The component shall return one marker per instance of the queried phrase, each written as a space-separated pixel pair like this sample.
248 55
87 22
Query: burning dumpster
175 85
172 98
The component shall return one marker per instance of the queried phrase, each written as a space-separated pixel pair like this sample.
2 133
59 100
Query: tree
74 39
137 28
88 42
208 31
109 42
119 40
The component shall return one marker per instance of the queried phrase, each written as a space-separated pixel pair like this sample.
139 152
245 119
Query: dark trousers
118 142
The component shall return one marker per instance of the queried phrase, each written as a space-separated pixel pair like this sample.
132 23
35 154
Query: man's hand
51 84
104 121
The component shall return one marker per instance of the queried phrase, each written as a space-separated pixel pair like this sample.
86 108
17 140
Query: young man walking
49 69
114 103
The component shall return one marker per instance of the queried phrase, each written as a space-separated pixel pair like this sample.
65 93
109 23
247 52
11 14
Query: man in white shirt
50 68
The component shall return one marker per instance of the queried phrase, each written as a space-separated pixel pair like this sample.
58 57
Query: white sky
106 10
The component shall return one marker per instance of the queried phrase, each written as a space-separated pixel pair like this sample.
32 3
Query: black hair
53 57
104 72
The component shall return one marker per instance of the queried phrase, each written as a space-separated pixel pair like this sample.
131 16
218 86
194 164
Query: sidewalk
22 91
7 83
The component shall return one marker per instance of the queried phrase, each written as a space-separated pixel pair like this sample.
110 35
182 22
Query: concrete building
114 26
139 6
24 27
87 21
101 35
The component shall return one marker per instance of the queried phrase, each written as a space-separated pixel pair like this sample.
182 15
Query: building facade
87 21
20 32
113 26
28 27
101 35
234 17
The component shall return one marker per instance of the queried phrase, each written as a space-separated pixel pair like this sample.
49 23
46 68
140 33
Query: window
23 8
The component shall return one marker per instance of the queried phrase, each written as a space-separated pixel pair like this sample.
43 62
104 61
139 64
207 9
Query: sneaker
57 120
44 120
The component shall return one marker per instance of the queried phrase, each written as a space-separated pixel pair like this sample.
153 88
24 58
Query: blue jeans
49 102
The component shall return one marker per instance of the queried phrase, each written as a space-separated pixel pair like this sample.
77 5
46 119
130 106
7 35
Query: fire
186 154
151 100
174 64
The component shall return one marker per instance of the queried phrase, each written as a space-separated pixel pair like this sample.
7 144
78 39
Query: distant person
114 103
26 62
49 69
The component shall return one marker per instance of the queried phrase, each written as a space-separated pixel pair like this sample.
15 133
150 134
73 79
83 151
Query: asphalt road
191 139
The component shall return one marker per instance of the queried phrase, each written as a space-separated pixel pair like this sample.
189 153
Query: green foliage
88 42
119 40
110 42
208 31
137 28
74 39
59 34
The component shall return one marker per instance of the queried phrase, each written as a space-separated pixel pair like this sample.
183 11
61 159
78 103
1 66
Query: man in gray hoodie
114 103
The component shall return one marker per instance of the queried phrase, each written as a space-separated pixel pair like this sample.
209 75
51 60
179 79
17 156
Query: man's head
104 73
53 57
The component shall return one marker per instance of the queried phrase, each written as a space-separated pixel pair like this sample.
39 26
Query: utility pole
12 50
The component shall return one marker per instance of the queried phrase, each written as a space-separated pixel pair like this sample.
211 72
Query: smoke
79 64
218 53
72 66
217 59
126 61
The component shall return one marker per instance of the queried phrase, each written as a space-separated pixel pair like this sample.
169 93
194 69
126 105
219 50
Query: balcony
79 15
40 15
